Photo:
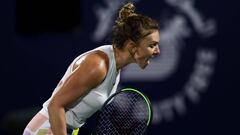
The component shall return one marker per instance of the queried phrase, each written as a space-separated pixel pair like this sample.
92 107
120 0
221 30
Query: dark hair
132 26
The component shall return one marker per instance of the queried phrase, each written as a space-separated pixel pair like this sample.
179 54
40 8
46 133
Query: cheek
147 52
143 53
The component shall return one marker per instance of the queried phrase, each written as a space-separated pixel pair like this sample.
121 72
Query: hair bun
126 11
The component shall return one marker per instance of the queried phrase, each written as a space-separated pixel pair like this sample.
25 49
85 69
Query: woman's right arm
88 74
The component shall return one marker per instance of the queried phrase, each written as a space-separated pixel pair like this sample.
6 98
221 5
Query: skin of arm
89 73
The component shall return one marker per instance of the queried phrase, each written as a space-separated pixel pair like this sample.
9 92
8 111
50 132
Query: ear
131 47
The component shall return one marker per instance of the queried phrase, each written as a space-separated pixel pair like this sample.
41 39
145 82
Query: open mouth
148 61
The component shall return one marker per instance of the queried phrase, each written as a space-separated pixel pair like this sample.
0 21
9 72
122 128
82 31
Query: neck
122 57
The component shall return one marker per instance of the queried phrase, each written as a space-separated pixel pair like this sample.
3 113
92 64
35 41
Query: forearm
57 120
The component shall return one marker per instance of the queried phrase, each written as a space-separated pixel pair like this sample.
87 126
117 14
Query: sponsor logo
187 22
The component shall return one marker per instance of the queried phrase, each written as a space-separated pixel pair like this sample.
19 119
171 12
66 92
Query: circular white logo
178 27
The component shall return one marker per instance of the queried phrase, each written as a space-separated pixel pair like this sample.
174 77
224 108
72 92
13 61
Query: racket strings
127 114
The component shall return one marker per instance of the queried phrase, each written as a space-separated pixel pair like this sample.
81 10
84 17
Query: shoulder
93 65
98 59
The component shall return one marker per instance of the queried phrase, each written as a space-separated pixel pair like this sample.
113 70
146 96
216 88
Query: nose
156 51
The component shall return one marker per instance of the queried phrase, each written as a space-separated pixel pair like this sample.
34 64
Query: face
147 48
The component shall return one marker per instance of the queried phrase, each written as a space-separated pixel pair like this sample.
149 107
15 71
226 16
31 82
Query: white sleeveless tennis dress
77 113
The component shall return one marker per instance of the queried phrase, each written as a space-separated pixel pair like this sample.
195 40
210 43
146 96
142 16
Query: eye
152 45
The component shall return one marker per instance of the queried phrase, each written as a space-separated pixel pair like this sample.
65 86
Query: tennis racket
127 112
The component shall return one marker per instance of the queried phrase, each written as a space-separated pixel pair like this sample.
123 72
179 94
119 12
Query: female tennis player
93 76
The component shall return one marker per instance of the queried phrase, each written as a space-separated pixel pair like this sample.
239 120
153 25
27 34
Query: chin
143 66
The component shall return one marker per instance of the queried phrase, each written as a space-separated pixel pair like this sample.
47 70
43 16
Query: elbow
54 105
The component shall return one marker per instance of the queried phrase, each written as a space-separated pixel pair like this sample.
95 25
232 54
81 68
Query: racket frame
140 93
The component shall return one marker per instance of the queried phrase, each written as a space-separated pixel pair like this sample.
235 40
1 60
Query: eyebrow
153 42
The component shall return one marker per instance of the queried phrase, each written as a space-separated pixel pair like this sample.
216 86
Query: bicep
85 77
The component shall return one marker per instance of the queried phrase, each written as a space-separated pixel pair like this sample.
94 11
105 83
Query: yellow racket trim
75 131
